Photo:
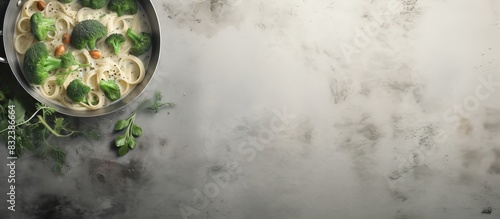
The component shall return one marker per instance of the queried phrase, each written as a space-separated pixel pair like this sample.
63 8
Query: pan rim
8 37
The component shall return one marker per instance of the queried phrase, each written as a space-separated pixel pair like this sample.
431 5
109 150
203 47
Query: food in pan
83 54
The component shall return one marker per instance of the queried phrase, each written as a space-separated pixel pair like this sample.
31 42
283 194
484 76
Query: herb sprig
37 127
155 103
37 133
127 140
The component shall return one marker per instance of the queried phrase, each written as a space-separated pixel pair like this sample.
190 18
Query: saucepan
11 14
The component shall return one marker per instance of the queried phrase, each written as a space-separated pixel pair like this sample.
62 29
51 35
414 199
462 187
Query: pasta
127 70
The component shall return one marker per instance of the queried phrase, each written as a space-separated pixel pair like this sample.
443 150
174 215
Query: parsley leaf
127 141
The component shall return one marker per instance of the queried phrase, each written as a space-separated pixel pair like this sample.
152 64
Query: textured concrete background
300 109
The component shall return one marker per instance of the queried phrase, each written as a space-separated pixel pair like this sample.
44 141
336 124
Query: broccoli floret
94 4
68 60
111 89
115 41
140 42
77 91
65 1
61 76
122 7
37 63
87 33
40 26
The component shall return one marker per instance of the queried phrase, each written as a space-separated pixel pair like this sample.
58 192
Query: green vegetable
136 130
111 89
37 133
65 1
122 7
40 26
38 129
87 33
140 42
37 63
122 151
131 143
121 140
127 141
115 41
77 91
67 61
121 124
94 4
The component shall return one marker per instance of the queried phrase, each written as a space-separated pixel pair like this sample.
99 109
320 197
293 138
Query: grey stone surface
300 109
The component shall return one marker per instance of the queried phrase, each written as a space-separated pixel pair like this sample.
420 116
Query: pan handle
2 60
18 4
